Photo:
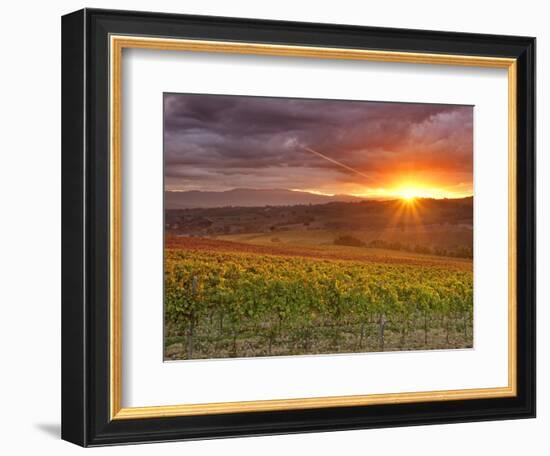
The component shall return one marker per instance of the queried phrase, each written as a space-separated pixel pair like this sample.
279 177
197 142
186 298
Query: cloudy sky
372 149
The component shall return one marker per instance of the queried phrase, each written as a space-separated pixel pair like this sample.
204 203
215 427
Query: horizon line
328 195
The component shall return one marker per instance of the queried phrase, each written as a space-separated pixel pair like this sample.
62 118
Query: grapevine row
233 294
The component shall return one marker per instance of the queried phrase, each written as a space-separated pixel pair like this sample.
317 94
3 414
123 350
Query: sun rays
406 213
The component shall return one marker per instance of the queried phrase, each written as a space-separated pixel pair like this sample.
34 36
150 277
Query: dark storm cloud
216 142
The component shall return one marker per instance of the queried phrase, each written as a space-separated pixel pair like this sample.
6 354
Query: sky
370 149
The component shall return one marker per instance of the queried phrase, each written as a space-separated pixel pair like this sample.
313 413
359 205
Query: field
246 295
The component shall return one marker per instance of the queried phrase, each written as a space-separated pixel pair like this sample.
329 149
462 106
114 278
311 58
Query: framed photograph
278 227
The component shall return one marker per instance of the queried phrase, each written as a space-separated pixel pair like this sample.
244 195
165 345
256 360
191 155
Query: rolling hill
248 197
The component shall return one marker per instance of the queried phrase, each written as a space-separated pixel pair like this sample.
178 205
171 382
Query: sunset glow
405 192
412 192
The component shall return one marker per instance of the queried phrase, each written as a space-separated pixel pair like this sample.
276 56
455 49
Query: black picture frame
85 225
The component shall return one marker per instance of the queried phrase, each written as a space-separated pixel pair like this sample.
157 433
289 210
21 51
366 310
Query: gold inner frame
117 44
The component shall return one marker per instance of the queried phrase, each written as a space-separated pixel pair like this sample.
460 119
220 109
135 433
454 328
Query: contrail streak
342 165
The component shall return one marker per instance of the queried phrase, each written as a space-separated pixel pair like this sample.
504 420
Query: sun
407 194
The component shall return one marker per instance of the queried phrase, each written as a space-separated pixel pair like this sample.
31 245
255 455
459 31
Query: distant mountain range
248 197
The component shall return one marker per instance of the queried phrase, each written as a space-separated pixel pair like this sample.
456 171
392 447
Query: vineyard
228 303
